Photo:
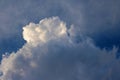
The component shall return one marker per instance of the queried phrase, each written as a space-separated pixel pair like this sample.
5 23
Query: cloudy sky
59 39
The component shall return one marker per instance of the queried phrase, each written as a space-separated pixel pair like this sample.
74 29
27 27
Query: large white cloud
53 52
44 31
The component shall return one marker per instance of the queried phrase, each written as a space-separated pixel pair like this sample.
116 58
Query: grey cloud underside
58 56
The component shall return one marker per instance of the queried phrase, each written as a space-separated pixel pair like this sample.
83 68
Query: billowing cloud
44 31
54 52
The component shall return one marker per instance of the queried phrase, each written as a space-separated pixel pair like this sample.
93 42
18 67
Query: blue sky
97 19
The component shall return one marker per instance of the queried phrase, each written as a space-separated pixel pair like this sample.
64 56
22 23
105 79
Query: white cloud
52 53
46 30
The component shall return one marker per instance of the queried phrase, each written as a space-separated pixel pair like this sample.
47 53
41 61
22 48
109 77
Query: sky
59 39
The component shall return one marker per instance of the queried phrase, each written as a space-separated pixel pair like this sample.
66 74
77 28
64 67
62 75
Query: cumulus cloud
44 31
54 52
